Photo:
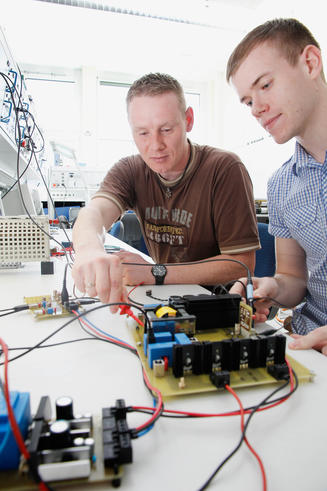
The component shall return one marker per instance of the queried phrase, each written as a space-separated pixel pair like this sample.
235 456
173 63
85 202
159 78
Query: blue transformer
9 451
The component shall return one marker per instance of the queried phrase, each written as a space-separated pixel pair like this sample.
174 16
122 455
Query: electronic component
211 311
62 448
173 320
190 360
117 443
9 452
47 306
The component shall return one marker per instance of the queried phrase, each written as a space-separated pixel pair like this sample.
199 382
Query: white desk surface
176 454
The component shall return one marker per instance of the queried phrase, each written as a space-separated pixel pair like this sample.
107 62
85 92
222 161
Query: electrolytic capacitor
64 408
60 435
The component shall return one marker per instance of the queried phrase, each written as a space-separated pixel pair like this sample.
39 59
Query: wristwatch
159 272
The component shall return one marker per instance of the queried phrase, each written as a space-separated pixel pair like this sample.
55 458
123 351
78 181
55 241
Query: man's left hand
133 274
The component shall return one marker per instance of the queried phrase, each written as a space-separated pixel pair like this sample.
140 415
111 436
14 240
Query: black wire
220 466
149 294
133 432
17 127
194 416
190 263
8 313
116 343
56 344
74 319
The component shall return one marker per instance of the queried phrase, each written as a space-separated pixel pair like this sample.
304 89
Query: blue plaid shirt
297 200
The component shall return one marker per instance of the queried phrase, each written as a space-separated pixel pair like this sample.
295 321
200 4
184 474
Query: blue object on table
9 451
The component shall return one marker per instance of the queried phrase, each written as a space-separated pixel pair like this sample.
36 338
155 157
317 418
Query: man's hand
134 275
262 287
100 274
316 339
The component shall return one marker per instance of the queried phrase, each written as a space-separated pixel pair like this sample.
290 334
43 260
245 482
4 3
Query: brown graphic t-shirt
209 211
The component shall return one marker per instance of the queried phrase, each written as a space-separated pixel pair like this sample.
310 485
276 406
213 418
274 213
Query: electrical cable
170 413
145 427
17 127
253 411
263 472
147 323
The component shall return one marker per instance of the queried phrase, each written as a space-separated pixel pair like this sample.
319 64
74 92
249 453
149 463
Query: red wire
142 282
11 416
99 334
263 473
158 408
230 413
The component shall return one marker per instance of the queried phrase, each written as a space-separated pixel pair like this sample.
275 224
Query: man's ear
311 58
189 116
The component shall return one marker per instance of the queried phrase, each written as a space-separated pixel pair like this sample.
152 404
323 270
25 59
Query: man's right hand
100 274
262 287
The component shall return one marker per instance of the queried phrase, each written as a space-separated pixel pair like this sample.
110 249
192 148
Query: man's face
279 95
159 130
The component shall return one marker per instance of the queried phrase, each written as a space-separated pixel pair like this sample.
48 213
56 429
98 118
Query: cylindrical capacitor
60 435
64 408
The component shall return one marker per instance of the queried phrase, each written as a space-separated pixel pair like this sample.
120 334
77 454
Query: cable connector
126 310
220 379
18 308
87 301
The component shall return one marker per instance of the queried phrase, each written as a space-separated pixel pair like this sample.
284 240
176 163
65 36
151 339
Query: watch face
159 270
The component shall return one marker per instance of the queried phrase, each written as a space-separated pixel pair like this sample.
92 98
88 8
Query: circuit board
47 306
171 386
19 481
159 352
84 450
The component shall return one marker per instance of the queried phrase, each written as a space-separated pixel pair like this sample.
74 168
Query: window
114 134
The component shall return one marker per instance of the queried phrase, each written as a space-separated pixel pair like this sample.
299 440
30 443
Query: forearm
289 290
291 272
218 269
88 230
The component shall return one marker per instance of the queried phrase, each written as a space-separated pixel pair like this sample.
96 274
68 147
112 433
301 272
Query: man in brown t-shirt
194 203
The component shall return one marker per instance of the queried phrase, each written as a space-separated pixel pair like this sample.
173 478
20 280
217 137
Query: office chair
128 230
265 257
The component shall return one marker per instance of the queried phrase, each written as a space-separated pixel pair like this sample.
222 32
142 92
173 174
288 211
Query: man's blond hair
154 84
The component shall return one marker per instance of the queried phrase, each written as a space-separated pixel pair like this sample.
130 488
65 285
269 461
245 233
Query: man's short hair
288 35
154 84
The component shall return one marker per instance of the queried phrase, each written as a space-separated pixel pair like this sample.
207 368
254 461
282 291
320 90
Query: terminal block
117 444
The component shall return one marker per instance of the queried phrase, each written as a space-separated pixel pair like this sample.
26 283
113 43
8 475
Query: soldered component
62 448
47 306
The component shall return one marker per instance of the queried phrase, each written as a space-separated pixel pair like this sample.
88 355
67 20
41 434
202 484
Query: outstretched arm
218 269
95 271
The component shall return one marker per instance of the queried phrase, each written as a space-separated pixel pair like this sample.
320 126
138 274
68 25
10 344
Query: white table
177 454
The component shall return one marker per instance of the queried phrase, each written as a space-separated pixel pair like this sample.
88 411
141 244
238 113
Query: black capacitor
64 408
60 435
